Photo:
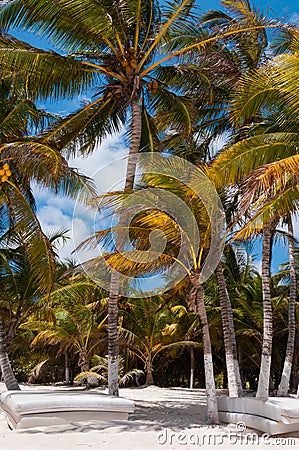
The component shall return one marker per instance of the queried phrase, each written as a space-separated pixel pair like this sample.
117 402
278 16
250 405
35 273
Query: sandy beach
172 418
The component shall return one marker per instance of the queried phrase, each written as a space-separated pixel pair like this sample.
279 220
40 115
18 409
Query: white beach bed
29 409
274 415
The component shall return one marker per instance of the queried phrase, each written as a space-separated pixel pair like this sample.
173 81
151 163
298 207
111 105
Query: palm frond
26 225
237 161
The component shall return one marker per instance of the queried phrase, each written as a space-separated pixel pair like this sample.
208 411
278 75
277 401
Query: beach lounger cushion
274 415
27 409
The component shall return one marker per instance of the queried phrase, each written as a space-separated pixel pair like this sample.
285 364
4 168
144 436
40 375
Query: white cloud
107 167
294 19
111 149
258 265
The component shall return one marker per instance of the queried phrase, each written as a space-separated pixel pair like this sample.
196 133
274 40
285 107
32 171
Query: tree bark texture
231 354
288 362
264 375
197 305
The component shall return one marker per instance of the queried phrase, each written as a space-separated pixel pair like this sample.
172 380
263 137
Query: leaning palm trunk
264 376
231 355
115 276
197 304
288 362
7 373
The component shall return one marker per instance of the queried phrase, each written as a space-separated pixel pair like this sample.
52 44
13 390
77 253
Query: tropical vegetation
175 82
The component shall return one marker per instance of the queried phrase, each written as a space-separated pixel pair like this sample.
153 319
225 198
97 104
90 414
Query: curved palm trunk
115 277
264 376
287 368
231 355
197 304
7 373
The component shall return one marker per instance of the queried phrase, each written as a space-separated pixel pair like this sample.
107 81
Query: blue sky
55 212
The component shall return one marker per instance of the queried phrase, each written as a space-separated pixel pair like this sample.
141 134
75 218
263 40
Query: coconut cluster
5 172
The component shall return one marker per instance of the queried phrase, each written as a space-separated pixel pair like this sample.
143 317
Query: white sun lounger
28 409
275 415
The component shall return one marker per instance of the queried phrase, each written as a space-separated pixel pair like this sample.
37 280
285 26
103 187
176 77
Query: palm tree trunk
84 361
66 367
264 376
149 373
296 363
231 355
287 368
113 334
115 277
192 366
197 304
7 373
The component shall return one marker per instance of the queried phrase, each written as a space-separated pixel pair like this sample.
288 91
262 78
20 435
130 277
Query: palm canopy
249 48
72 317
165 235
264 162
223 63
150 327
23 162
128 50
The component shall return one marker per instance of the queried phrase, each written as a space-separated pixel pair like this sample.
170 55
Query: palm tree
100 370
247 298
72 318
188 325
18 292
231 354
23 162
264 376
7 373
225 62
264 162
193 261
124 48
149 328
288 362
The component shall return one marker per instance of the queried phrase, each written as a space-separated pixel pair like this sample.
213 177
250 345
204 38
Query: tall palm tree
193 260
231 354
23 162
119 52
288 362
264 376
226 61
265 162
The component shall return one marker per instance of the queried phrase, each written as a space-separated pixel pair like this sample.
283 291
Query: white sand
163 419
